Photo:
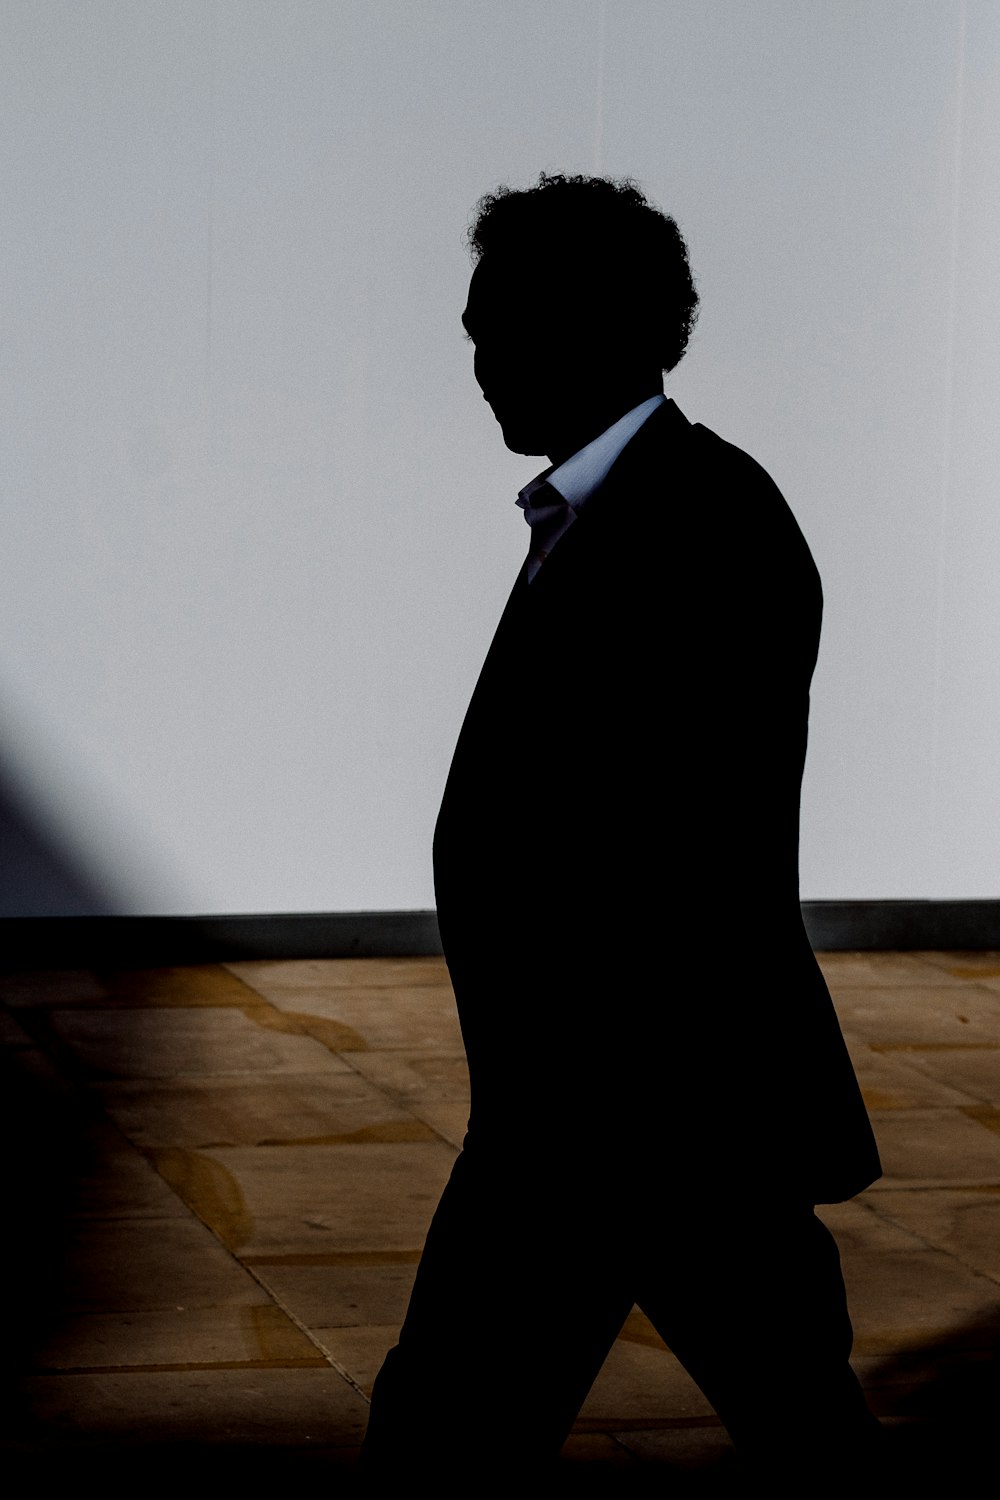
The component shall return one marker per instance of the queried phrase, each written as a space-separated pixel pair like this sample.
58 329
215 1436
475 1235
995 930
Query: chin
521 439
520 433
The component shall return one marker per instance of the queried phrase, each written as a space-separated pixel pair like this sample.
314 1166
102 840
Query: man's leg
751 1300
519 1296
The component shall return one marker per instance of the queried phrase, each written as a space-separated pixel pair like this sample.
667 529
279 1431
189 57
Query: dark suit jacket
616 855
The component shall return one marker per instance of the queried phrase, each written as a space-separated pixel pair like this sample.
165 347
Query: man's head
580 298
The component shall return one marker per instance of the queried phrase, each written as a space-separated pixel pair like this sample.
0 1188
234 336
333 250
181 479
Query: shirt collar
583 473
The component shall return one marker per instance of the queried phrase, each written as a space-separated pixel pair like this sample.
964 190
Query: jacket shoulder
681 483
744 499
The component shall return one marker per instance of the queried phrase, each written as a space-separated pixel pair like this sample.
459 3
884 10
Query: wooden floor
219 1179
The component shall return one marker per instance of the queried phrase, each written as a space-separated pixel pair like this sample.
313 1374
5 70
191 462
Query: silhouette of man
660 1089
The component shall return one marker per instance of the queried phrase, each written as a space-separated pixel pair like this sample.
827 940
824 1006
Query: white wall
258 522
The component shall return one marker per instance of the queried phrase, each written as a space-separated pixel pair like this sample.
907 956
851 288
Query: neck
593 417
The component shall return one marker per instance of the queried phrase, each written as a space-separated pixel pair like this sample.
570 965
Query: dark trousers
530 1268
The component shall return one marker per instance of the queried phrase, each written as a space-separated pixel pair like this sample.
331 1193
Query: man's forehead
503 286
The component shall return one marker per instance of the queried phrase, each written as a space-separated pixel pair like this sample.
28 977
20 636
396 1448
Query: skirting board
151 942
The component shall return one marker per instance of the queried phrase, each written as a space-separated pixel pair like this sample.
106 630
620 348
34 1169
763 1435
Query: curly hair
600 231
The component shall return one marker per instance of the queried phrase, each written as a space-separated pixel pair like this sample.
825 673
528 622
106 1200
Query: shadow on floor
940 1403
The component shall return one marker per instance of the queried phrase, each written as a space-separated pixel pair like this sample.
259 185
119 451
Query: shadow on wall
38 878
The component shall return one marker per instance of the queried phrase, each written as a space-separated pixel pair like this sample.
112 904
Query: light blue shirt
578 478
